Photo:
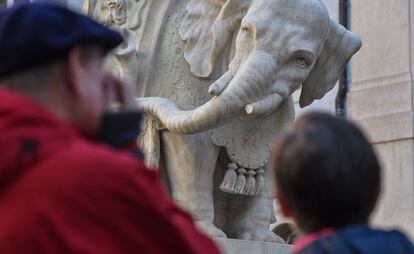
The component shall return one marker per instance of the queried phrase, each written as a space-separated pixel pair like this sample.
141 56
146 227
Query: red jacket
63 193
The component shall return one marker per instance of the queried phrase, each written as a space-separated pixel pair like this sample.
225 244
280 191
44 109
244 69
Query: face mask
120 129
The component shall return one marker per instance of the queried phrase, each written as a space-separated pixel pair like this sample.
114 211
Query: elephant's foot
264 236
211 230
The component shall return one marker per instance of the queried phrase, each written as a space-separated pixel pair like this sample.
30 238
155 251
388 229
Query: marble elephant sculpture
217 90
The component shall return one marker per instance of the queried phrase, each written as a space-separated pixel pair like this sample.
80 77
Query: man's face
90 104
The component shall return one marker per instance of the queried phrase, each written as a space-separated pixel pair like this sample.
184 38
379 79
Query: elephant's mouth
247 111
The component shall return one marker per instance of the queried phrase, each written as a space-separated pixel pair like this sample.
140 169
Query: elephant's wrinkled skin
218 74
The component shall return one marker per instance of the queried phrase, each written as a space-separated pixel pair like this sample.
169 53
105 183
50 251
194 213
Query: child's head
326 173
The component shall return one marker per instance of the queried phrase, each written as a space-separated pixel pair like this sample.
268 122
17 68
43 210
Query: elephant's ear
207 28
339 47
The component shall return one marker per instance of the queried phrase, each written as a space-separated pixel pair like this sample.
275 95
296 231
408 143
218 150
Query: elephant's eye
246 32
245 29
302 62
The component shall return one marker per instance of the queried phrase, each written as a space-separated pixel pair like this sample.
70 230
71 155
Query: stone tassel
241 180
259 182
250 183
230 177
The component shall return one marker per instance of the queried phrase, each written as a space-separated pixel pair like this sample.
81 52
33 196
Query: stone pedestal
231 246
381 101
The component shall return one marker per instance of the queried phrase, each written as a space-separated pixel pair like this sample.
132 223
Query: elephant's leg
249 218
190 161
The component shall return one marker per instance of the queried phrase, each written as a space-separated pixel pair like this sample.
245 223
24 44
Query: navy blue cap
36 33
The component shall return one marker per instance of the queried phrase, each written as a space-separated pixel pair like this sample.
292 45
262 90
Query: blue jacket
361 240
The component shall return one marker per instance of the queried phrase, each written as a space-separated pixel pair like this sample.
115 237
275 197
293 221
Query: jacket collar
311 238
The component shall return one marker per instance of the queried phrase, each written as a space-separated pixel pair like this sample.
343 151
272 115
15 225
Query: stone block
380 100
383 28
232 246
396 204
388 128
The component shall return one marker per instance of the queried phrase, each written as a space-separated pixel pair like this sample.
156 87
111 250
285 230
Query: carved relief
219 74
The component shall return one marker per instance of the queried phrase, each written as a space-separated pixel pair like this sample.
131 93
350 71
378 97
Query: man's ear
74 71
286 211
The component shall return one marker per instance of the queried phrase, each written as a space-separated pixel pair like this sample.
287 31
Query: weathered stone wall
381 100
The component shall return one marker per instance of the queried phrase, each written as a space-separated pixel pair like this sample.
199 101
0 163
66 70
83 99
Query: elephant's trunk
248 85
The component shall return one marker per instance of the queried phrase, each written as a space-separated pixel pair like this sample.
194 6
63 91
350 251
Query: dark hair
326 172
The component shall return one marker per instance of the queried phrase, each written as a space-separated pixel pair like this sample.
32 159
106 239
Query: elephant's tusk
218 87
248 109
265 106
214 89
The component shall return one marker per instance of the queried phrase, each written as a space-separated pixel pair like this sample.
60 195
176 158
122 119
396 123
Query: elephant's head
280 45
